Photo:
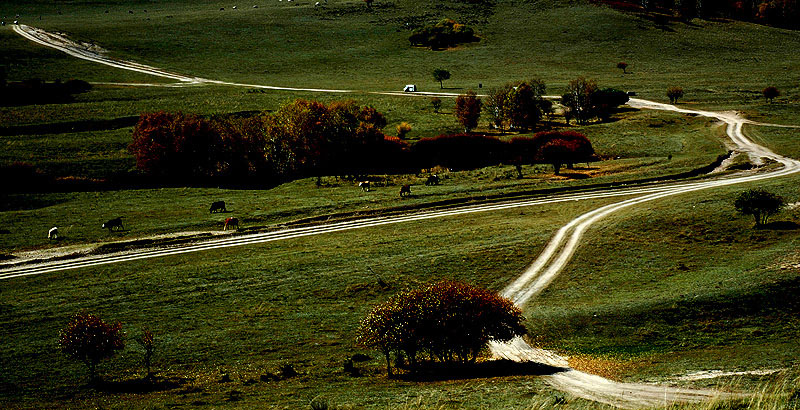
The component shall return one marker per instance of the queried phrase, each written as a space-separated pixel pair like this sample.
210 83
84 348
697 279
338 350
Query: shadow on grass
780 226
139 385
574 175
482 370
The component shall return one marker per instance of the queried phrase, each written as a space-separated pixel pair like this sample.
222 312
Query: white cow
52 233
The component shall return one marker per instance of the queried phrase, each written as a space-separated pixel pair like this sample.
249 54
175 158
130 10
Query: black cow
405 190
112 224
433 180
218 206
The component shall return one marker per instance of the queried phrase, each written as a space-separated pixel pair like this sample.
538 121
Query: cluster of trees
444 34
302 138
520 106
465 151
584 100
36 91
90 340
517 106
444 321
785 13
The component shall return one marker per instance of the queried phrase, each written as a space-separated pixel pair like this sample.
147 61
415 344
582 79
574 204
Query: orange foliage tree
450 321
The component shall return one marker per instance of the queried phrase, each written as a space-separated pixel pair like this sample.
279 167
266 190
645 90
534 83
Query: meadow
657 291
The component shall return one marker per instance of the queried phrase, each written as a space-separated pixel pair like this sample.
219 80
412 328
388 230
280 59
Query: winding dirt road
536 278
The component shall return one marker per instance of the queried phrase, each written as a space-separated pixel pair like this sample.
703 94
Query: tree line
309 138
783 13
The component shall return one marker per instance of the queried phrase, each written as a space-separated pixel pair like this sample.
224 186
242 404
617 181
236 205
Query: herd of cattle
233 222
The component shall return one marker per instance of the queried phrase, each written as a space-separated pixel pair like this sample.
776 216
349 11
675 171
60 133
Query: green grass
246 310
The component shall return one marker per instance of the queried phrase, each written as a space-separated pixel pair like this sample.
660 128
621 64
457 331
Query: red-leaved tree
450 321
468 110
89 339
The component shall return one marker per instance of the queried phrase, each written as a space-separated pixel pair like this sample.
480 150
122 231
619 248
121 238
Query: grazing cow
53 233
232 223
130 11
316 4
111 224
405 190
222 9
433 180
234 7
255 7
218 206
364 186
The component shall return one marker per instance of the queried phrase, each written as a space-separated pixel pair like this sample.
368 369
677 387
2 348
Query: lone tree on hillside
759 203
146 342
440 75
674 93
89 339
436 102
623 66
446 321
468 110
771 93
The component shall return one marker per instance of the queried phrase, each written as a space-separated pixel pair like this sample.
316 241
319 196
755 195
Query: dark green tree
771 93
440 75
759 203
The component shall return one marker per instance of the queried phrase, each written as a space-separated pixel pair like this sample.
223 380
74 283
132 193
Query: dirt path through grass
535 279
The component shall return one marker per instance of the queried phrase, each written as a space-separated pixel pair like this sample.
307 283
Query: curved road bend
544 269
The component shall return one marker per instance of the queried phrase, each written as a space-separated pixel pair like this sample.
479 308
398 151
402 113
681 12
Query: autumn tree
578 99
440 75
402 129
176 145
517 105
759 203
436 102
770 93
449 321
146 341
468 110
622 66
562 147
674 93
89 339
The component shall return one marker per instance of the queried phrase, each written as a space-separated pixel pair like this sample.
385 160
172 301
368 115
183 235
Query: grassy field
657 291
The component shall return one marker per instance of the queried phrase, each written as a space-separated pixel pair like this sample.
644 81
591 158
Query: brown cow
232 223
405 190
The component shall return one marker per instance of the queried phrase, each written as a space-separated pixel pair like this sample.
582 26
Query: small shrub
674 94
402 129
770 93
436 102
